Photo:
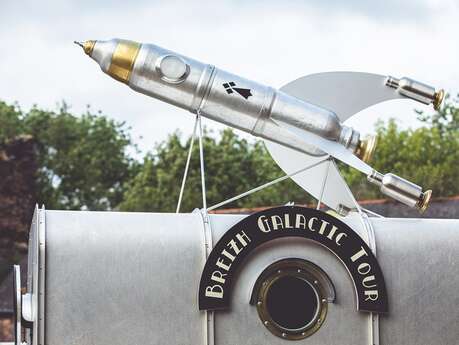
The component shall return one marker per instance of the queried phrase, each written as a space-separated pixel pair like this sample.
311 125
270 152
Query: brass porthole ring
292 299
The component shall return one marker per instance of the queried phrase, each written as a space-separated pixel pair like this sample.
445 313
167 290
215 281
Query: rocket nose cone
87 46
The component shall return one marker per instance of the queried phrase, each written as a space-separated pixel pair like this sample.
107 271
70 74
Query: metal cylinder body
214 93
400 189
119 278
416 90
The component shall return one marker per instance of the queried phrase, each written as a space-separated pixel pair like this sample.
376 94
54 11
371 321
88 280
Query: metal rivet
324 300
316 282
279 271
299 271
266 323
303 334
284 335
259 303
319 320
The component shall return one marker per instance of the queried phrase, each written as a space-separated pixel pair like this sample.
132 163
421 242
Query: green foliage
10 122
83 160
446 121
232 166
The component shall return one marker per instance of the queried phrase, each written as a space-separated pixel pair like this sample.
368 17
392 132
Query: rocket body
219 95
254 108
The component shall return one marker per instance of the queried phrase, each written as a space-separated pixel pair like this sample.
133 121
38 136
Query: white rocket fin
345 93
335 192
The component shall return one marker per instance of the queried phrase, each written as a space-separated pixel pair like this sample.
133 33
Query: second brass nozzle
424 201
438 100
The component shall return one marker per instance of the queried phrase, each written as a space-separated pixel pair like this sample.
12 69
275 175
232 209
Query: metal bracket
17 305
373 319
209 325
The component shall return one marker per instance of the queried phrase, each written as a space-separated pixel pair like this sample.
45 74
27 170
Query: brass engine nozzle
366 148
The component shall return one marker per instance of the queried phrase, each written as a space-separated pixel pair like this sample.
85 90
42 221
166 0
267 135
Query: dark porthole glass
292 302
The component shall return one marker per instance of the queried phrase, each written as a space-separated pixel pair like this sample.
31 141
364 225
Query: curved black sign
236 244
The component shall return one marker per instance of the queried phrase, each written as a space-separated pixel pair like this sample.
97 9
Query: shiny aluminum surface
148 79
17 306
403 189
33 302
117 278
399 189
416 90
102 52
202 89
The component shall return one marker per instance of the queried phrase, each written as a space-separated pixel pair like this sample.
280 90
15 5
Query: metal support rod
263 186
373 318
324 182
187 165
371 212
201 159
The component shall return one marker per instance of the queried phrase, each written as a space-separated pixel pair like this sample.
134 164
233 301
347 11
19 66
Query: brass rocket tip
424 201
87 46
439 96
366 148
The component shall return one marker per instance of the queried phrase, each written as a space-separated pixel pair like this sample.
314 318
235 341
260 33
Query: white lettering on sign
322 227
224 262
368 281
300 222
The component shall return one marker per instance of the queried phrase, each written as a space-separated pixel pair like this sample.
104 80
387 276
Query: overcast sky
272 42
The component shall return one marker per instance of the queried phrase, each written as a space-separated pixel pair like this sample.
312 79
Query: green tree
10 122
83 160
233 165
445 120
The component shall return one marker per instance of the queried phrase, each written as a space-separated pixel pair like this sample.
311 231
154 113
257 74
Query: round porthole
292 298
172 69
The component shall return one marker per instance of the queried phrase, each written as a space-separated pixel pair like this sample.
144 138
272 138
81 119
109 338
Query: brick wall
439 208
17 195
17 201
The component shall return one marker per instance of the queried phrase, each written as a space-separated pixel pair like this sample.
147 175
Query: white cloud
271 42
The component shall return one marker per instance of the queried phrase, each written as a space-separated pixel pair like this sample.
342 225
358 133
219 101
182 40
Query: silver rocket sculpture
252 107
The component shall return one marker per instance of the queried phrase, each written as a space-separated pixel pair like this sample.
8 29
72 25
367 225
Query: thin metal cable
201 159
263 186
187 165
324 182
371 212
